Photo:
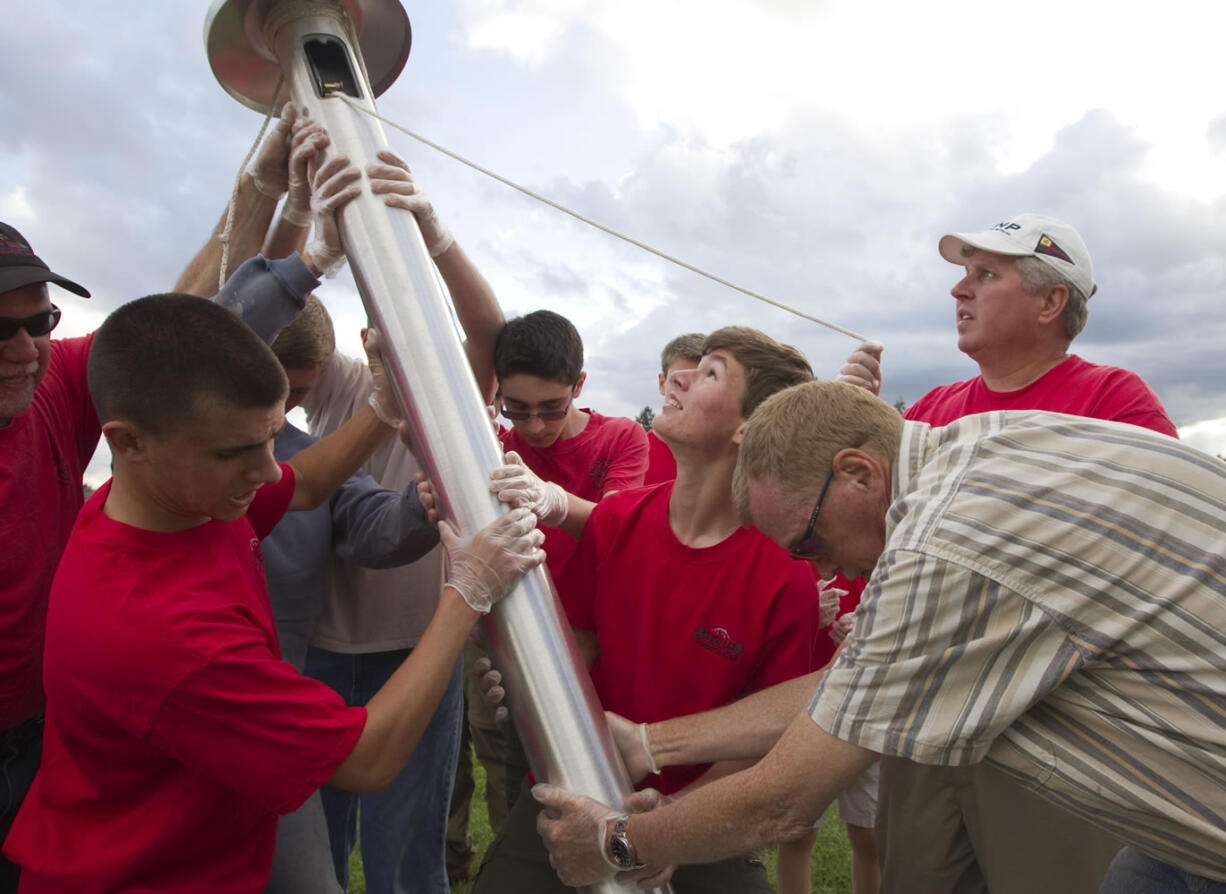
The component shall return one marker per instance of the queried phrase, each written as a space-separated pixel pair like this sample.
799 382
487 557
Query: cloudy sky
812 150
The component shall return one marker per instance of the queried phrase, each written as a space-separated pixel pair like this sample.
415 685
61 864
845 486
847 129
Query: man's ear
861 468
579 384
1052 304
739 434
126 440
660 376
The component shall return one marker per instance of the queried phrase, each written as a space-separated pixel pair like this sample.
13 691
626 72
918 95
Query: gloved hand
306 149
650 877
383 396
486 565
334 185
632 744
267 169
574 828
514 483
842 627
394 181
863 367
828 597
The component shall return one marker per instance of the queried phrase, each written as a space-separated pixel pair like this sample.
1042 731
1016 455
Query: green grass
830 862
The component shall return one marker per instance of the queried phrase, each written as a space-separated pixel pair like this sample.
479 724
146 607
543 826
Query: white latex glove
514 483
828 597
650 877
267 169
842 627
334 185
485 566
863 367
632 744
394 181
306 147
383 397
574 828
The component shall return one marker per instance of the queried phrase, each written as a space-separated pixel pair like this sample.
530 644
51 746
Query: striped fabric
1052 598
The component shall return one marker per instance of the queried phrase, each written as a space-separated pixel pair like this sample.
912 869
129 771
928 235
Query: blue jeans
1132 872
21 749
403 827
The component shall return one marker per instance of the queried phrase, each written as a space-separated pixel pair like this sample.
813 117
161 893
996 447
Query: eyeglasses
36 325
808 545
543 415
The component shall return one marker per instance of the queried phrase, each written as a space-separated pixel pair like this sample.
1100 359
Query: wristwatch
621 849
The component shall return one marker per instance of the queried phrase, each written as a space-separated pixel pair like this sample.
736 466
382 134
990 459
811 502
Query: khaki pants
970 830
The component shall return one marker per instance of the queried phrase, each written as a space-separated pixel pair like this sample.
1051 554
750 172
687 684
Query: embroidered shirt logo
599 472
718 641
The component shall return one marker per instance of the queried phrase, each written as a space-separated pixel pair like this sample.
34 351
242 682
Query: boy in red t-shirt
678 607
175 734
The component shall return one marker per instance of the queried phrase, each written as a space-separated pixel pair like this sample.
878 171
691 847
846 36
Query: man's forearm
480 315
284 239
743 730
777 799
253 212
321 468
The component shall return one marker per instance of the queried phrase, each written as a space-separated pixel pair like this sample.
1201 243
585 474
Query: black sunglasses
36 325
808 545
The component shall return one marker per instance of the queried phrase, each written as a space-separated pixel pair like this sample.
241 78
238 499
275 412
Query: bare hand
489 683
863 367
425 494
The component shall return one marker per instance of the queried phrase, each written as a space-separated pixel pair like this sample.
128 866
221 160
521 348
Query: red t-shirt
661 464
45 451
175 734
683 630
609 454
1074 387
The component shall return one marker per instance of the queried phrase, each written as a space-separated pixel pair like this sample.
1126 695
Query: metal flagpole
326 48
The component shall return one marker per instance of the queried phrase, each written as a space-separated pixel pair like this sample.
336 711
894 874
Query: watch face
621 853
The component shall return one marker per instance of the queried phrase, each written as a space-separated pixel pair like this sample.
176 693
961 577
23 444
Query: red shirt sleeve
628 461
253 723
576 583
271 502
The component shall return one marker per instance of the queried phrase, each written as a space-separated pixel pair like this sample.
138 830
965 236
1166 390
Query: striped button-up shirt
1052 598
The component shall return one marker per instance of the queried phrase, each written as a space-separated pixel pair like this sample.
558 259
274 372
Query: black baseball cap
19 266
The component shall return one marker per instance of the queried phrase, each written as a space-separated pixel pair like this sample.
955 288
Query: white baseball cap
1052 241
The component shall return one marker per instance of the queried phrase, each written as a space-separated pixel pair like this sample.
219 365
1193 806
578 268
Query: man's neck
700 510
576 422
129 505
1015 373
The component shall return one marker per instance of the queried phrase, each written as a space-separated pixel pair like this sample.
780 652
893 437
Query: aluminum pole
553 702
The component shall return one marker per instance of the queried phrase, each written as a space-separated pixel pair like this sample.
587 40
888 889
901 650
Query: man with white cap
967 830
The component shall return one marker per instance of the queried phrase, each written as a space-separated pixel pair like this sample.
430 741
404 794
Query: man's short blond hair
309 341
769 366
791 440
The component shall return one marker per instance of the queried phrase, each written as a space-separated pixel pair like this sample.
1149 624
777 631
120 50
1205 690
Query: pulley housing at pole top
235 40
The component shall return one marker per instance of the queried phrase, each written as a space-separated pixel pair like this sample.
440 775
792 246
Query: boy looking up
574 456
175 734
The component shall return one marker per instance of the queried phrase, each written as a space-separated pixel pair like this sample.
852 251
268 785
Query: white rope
224 238
600 226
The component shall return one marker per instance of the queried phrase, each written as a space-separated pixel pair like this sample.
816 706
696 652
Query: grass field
830 862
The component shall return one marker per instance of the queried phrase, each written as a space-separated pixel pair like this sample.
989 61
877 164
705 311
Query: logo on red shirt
718 641
599 472
257 555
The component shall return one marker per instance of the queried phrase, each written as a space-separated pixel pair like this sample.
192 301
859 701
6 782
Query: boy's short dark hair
154 358
542 344
769 365
683 347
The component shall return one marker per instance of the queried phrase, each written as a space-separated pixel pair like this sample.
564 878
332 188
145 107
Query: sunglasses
543 415
36 325
808 545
